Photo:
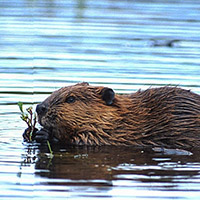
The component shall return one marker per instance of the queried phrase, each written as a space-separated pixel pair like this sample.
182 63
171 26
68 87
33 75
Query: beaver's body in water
86 115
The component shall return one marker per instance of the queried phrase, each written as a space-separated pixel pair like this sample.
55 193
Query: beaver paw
28 137
42 136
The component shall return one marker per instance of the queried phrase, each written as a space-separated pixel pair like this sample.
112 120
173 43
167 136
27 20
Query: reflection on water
111 171
126 45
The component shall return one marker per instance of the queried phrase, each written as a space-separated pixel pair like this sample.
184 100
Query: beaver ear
82 84
108 95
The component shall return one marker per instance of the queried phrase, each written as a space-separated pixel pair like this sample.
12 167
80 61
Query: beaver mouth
42 122
39 120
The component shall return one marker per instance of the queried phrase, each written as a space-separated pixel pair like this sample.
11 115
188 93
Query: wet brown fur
166 116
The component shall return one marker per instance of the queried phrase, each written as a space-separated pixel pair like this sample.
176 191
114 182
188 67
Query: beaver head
79 114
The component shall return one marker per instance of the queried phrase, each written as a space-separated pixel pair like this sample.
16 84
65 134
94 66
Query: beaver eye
70 99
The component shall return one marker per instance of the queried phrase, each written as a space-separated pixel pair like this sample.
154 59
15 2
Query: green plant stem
29 117
49 146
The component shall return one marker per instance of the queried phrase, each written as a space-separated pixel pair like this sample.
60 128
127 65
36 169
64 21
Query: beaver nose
41 109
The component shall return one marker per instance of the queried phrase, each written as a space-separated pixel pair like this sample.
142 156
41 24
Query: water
126 45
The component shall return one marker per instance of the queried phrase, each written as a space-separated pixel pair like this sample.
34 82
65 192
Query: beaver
82 114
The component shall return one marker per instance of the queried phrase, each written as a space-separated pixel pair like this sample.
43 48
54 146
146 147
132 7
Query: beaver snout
41 109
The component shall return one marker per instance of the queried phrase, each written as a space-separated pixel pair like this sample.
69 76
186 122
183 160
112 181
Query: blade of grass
49 146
